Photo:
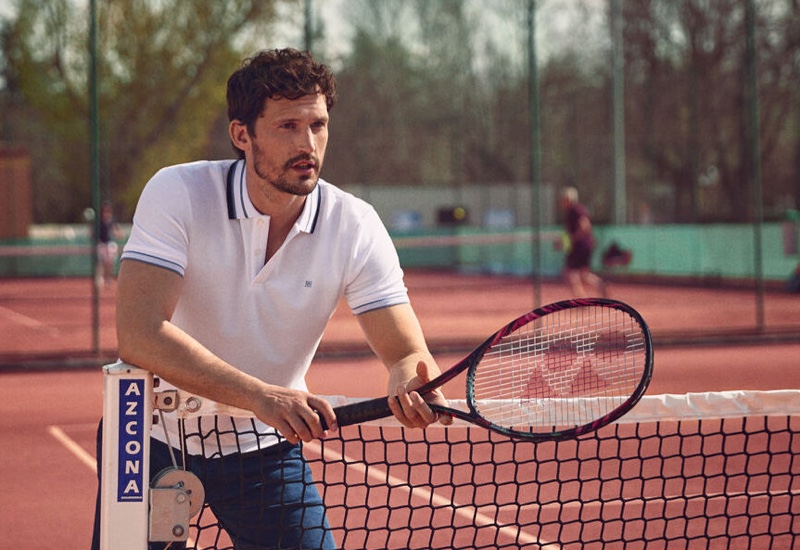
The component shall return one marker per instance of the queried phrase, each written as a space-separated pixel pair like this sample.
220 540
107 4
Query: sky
6 8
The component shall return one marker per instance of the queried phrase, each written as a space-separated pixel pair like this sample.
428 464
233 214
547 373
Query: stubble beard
284 182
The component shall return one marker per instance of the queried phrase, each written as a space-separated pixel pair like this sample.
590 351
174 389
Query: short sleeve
160 231
376 278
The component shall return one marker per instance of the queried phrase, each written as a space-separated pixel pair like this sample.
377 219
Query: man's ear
240 137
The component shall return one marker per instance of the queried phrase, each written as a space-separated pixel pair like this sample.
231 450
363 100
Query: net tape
651 408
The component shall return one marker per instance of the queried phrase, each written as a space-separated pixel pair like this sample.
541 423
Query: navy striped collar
241 207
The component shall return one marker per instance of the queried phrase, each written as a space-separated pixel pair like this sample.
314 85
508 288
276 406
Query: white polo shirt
197 219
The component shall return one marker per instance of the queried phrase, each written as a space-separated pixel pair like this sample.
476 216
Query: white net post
127 419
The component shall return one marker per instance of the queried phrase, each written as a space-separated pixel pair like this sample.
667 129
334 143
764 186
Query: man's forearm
176 357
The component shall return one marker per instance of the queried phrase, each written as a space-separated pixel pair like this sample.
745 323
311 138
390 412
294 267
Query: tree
687 86
418 104
431 92
163 66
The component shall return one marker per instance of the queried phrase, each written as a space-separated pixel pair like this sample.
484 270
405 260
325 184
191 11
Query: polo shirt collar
241 207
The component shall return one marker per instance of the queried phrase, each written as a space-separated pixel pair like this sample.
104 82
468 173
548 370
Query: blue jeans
264 499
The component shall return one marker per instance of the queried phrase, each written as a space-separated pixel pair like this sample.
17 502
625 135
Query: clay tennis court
706 339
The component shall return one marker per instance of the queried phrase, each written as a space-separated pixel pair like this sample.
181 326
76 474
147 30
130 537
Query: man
231 273
581 243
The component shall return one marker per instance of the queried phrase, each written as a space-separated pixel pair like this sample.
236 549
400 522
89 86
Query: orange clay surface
48 417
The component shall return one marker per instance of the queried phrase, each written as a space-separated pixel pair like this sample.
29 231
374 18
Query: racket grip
363 411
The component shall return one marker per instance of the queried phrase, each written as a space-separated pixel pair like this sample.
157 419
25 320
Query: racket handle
363 411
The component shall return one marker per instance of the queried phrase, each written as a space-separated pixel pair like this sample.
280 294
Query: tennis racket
557 372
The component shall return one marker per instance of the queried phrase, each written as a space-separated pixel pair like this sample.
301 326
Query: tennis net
477 250
711 470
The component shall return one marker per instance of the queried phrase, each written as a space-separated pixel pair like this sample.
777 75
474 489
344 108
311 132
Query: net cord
651 408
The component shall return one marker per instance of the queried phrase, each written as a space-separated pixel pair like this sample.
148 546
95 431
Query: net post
125 486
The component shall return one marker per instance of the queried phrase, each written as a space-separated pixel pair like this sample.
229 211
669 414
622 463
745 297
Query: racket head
560 371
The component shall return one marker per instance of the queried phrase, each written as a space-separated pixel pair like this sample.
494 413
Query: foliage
430 97
432 92
162 69
687 100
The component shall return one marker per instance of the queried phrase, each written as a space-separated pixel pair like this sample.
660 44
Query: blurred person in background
579 246
107 248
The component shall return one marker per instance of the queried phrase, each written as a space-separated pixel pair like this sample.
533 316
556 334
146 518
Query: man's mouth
303 165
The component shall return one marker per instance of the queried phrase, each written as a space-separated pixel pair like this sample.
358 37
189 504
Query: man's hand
412 409
294 413
395 335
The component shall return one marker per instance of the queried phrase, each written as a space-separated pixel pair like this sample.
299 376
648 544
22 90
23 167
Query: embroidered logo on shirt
308 284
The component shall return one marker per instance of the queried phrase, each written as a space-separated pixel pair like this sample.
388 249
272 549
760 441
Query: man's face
289 143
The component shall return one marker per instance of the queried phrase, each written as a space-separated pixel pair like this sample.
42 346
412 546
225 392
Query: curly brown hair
285 73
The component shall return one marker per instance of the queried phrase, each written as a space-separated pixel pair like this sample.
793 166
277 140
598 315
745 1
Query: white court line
73 447
471 513
83 456
26 321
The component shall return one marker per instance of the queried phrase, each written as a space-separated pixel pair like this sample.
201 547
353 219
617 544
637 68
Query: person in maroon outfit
578 257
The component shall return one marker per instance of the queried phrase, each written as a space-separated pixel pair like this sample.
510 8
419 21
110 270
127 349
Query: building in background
16 200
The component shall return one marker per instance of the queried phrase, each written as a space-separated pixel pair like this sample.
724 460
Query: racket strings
567 368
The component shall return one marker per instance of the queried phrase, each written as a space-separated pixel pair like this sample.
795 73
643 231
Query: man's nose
307 143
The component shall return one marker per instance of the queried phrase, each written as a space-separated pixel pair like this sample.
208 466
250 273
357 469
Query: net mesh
696 471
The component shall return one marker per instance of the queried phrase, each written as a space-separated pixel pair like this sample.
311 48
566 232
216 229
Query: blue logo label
131 441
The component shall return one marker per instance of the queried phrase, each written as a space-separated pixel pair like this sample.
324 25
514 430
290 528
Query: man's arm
584 226
146 299
394 334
